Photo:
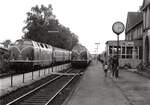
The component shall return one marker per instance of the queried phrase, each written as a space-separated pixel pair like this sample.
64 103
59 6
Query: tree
7 43
40 20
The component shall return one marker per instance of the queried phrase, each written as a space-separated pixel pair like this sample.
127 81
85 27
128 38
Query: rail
36 89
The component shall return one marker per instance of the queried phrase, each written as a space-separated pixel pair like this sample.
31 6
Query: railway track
47 92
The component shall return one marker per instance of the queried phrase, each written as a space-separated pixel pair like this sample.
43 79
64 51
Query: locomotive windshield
21 42
18 42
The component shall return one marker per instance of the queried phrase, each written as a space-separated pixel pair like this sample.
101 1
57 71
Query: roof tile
133 19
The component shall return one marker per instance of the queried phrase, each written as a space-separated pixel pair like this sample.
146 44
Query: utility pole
53 44
97 46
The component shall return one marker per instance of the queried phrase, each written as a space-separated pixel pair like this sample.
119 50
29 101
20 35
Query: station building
145 9
137 32
129 52
130 49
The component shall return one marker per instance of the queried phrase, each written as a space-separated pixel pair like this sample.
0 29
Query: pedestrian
115 67
110 66
105 69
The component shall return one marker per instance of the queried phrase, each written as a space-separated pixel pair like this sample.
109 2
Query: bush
127 66
141 67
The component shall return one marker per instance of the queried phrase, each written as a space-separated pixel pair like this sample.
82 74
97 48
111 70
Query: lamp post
97 44
118 28
53 42
53 32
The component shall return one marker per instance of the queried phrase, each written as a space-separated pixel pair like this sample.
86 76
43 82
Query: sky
91 20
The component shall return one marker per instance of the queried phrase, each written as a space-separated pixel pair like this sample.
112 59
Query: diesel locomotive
80 57
27 55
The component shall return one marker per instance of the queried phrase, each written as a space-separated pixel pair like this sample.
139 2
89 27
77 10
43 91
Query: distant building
1 46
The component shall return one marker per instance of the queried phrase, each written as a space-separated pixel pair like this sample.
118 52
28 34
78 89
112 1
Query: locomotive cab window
38 44
18 42
42 45
46 46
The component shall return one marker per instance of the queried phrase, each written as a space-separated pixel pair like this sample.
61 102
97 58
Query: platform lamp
53 42
118 27
53 32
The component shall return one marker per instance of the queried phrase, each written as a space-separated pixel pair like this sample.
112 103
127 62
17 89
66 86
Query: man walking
116 67
105 69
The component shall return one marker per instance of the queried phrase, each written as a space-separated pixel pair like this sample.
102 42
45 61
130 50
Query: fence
27 78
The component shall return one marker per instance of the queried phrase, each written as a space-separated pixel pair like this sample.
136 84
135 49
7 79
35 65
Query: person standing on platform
116 67
113 67
105 69
110 66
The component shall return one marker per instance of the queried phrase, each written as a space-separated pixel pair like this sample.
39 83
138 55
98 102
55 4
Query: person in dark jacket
110 65
115 67
105 69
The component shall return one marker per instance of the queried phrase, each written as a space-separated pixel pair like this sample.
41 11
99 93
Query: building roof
133 19
145 4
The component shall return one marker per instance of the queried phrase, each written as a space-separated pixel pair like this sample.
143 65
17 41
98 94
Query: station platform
95 89
9 84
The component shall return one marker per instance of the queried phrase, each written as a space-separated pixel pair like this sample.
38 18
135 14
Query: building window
140 52
147 21
129 52
110 49
144 19
148 16
123 52
136 52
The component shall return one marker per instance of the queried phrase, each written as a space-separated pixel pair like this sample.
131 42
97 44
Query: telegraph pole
97 46
53 44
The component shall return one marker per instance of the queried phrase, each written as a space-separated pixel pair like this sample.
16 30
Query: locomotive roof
79 48
41 44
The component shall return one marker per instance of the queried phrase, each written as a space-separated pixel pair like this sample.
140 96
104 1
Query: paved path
135 87
95 89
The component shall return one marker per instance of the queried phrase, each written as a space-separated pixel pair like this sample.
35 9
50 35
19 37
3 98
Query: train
80 57
4 60
27 55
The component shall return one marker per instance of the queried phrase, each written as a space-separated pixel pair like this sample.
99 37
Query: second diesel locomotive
26 55
80 56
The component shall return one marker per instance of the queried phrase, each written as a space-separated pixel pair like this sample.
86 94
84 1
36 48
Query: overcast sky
91 20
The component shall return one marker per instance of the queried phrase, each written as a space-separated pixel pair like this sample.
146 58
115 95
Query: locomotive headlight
20 56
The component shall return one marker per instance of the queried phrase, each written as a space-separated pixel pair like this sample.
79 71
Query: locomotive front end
79 56
22 55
